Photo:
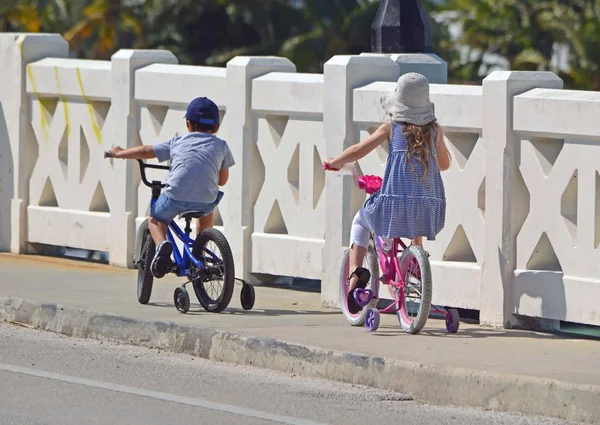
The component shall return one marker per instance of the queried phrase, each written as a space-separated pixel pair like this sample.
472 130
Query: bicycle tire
420 256
145 279
371 263
221 303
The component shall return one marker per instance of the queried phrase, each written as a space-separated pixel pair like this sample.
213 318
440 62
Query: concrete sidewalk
297 318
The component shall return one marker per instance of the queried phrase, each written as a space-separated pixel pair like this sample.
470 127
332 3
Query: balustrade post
18 145
506 197
243 183
125 132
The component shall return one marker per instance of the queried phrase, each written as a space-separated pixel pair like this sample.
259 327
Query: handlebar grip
107 154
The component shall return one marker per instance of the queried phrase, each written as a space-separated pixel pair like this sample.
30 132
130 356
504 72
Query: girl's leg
418 241
359 241
357 256
358 276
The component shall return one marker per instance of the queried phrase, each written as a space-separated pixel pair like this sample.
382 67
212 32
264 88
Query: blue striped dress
406 206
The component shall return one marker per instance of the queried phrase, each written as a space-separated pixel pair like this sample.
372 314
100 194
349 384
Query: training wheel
182 300
452 321
372 320
247 296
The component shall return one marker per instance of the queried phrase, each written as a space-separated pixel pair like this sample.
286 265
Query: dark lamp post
401 26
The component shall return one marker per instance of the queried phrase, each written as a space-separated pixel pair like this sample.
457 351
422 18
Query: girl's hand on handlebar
331 165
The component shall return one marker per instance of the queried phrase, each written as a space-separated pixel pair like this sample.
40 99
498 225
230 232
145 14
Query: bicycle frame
185 258
390 269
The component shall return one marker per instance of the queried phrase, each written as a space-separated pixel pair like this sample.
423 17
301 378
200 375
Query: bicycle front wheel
415 302
145 278
371 263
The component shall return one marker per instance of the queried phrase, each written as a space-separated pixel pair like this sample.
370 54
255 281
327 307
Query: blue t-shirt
196 160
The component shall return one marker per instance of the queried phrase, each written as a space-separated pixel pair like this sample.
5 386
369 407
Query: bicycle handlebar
370 184
143 167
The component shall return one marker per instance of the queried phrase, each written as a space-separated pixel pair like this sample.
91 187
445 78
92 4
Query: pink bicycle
405 269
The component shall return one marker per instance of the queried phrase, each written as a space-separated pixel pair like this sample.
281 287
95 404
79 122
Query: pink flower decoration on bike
370 184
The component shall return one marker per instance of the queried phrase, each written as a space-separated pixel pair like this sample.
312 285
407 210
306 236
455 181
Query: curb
430 384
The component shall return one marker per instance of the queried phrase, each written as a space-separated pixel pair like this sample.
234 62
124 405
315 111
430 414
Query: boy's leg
163 211
158 230
206 222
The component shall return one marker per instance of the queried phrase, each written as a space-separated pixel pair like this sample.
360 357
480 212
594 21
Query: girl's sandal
363 279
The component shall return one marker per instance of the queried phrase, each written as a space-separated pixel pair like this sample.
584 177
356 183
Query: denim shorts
166 209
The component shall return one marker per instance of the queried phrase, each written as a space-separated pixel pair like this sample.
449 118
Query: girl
411 202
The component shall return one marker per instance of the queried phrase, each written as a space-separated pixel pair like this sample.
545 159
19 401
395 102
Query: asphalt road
50 379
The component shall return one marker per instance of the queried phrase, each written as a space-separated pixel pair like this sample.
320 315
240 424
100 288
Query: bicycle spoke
210 283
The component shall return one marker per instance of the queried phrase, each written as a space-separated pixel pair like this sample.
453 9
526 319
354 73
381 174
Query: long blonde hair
419 143
419 138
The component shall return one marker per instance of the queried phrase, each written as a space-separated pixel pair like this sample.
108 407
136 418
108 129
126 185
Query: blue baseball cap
202 110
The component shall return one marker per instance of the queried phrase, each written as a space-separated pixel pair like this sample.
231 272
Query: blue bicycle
197 261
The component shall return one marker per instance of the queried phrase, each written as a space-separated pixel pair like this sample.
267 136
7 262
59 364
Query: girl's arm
360 150
443 156
139 152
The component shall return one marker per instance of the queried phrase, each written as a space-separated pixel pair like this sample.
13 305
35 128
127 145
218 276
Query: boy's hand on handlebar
113 152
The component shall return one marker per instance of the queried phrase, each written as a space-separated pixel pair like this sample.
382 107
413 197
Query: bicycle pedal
363 296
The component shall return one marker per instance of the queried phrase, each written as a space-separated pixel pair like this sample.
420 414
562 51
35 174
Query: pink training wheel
363 296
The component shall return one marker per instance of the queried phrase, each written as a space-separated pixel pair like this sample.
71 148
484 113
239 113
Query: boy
200 163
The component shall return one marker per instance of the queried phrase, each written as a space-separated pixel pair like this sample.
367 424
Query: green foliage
524 34
528 34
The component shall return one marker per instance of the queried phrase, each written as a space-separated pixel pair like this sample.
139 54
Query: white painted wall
523 220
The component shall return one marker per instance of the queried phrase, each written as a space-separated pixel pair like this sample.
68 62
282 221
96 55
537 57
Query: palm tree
341 27
575 23
271 23
15 16
105 28
527 34
307 35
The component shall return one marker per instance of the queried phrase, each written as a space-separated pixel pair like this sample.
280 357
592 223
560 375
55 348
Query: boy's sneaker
162 259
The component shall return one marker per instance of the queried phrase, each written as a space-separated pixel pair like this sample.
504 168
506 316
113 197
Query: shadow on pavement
385 331
198 310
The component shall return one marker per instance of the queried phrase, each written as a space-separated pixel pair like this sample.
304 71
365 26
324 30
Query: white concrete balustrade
523 219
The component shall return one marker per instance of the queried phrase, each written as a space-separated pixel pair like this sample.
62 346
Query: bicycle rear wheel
213 286
371 263
415 304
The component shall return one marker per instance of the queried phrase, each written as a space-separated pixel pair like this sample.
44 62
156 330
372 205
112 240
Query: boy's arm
228 161
138 152
223 176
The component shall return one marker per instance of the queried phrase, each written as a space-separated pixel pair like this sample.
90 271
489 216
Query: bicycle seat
193 214
189 214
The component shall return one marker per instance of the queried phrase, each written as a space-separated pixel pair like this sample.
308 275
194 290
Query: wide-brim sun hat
410 102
